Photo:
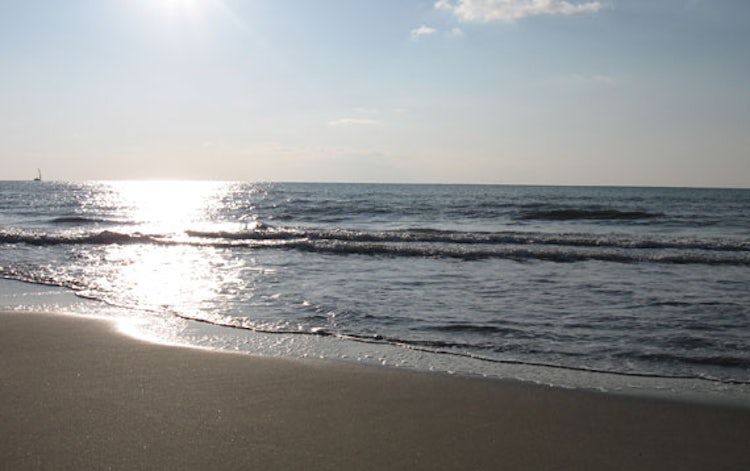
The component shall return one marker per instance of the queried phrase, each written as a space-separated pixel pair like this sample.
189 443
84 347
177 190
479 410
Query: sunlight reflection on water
167 206
187 279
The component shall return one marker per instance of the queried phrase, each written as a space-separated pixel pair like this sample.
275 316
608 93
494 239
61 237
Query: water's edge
170 330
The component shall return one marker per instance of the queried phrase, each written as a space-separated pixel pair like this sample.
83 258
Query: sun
186 5
181 15
184 8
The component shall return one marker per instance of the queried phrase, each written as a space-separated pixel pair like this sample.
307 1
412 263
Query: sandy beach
77 394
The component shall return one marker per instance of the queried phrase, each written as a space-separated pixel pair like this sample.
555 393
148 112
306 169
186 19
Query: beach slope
76 394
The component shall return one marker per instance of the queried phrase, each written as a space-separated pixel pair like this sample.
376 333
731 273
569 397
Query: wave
571 214
82 220
521 247
427 235
97 238
458 349
511 253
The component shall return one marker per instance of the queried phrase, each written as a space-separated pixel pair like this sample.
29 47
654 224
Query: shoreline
78 394
25 296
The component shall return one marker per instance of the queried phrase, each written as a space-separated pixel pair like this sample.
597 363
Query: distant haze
620 92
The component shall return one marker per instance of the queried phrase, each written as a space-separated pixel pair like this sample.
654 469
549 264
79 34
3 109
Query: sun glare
183 5
167 206
179 277
174 10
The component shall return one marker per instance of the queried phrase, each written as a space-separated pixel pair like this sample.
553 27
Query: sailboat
38 178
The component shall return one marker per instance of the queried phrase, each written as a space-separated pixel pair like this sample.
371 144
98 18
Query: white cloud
483 11
347 122
455 33
423 30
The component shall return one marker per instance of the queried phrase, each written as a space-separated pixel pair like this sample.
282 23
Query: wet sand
77 394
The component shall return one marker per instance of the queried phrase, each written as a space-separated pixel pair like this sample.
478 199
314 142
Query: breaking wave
518 246
96 238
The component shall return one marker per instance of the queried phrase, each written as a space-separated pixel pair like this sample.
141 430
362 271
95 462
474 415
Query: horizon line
329 182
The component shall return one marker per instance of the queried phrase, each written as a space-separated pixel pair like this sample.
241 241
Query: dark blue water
632 281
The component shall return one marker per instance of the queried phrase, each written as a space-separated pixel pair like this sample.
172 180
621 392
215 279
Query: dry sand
78 395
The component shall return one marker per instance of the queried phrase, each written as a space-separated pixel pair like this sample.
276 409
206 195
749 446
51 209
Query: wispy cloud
348 122
455 33
484 11
423 30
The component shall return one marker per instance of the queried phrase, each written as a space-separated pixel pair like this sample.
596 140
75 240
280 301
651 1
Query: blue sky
628 92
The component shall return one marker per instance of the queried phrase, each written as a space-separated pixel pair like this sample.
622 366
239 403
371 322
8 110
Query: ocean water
623 289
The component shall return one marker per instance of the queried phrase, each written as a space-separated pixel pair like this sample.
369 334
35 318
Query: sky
609 92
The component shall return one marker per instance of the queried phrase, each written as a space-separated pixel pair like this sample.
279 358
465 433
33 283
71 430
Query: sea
620 289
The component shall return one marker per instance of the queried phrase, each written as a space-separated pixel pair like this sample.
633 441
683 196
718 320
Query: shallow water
637 283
